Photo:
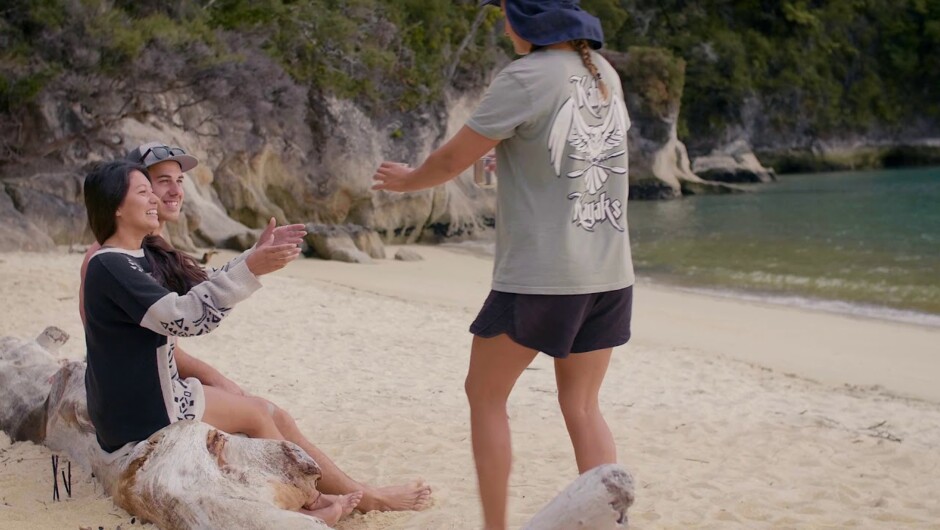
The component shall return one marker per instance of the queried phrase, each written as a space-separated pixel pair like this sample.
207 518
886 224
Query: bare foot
416 496
331 508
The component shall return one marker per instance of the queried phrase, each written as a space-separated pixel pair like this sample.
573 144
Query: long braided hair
584 50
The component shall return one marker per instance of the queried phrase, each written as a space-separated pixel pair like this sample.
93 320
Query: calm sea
865 243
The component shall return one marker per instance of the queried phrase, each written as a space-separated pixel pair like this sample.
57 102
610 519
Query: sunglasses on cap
161 152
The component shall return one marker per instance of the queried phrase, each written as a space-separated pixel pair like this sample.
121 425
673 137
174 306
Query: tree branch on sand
185 476
189 475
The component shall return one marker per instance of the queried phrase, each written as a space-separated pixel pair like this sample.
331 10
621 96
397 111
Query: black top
132 385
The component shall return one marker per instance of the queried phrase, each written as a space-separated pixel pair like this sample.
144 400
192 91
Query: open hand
267 256
392 176
293 234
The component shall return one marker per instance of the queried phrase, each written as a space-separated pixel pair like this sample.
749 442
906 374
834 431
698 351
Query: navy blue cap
546 22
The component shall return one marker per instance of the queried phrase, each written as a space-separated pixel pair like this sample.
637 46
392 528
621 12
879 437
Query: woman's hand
289 234
393 176
267 256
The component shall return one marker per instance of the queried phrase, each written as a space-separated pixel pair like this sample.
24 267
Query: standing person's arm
504 108
445 163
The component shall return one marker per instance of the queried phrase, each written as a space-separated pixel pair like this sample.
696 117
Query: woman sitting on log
167 166
132 383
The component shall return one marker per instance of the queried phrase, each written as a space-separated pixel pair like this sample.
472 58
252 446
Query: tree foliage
807 68
817 68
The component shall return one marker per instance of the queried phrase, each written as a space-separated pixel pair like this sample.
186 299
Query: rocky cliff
270 145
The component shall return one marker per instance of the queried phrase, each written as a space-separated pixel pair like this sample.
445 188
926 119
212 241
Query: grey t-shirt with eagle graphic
561 218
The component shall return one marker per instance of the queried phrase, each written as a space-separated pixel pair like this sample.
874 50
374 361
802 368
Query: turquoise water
862 242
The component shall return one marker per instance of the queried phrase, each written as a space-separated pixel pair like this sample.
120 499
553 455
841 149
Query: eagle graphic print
587 142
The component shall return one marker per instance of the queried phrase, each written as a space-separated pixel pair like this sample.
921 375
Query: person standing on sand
167 166
563 274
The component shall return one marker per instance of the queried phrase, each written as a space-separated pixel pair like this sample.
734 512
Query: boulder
53 203
349 243
367 241
348 255
733 163
406 254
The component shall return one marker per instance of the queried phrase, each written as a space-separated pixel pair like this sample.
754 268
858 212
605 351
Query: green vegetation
381 52
815 68
796 68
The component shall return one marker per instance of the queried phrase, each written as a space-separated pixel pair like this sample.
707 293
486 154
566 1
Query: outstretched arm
119 278
278 235
445 163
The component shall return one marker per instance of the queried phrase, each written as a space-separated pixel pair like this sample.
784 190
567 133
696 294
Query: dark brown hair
105 189
173 269
583 48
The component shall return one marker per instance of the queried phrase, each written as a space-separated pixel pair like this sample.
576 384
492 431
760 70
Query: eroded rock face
659 163
311 158
733 163
17 232
348 243
53 203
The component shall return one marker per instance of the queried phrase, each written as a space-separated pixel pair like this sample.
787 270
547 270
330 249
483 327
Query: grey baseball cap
152 153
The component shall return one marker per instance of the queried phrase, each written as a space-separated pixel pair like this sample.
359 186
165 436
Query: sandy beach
729 414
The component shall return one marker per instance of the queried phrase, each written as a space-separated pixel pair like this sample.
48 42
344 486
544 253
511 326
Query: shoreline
880 313
859 350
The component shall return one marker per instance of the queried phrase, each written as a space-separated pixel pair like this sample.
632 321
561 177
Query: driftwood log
597 500
186 476
191 476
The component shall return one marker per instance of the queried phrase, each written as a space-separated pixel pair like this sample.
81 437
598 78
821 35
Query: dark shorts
558 324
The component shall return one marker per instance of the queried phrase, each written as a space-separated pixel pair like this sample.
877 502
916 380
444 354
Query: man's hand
284 235
267 256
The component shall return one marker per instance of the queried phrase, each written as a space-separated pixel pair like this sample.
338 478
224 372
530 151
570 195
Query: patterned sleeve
165 312
211 272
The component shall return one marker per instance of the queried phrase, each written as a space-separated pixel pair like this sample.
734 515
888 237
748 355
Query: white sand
370 359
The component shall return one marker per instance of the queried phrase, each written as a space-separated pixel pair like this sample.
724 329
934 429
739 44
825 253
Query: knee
261 413
481 394
281 416
576 408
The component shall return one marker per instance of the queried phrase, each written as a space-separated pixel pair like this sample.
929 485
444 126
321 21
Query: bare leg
241 414
579 379
331 508
495 365
416 496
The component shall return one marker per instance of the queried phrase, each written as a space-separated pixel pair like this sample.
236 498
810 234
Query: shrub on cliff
796 68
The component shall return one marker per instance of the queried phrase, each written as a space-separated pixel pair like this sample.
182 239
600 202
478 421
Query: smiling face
167 180
521 46
137 213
